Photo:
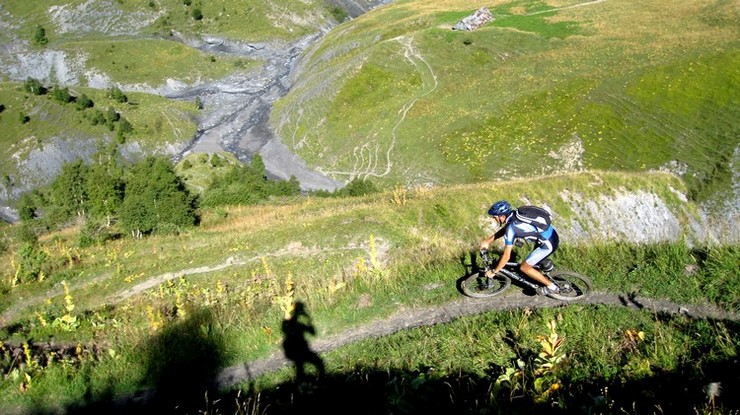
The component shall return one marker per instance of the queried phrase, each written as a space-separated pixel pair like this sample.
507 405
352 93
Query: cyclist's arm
486 243
504 258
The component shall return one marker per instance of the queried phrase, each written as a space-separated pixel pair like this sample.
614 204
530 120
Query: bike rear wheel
573 286
476 285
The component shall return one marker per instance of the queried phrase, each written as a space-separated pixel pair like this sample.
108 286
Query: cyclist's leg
541 252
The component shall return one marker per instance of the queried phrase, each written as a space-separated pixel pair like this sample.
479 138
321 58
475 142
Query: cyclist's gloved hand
489 272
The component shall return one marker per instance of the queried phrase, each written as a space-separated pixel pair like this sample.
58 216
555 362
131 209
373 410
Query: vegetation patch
152 62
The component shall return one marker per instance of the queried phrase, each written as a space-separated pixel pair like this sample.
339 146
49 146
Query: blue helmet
501 207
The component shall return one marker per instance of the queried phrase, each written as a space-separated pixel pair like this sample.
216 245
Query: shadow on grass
367 390
295 329
182 361
179 363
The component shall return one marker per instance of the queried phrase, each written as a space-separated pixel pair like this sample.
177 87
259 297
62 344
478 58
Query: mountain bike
572 285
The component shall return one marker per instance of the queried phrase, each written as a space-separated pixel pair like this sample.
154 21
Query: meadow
167 313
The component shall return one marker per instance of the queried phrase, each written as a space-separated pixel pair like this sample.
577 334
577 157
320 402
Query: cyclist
546 243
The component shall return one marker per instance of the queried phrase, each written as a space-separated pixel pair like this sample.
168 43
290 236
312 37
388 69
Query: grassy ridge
152 62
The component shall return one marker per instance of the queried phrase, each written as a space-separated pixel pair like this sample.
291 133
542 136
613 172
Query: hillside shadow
180 361
178 365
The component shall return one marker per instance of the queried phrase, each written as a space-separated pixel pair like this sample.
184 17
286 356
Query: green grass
156 122
518 96
352 261
153 62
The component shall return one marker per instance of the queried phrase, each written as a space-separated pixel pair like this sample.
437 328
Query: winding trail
367 155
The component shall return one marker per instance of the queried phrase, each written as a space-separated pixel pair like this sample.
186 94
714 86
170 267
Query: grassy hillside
350 261
399 97
610 113
256 21
52 126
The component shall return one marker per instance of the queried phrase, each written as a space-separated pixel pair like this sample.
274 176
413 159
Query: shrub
31 261
339 14
39 36
62 95
84 102
98 118
34 86
116 94
357 187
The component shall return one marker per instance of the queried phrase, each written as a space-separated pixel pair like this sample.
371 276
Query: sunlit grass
152 62
528 86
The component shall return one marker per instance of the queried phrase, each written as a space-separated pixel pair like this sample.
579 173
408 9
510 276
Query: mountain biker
546 243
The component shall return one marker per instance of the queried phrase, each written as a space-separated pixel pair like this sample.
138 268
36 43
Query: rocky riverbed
236 108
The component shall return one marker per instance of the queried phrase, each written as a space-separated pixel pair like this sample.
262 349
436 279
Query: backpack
534 215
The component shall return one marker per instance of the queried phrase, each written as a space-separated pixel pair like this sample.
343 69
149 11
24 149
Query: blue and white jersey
516 229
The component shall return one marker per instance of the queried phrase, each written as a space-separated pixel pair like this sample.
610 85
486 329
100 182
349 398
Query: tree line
112 196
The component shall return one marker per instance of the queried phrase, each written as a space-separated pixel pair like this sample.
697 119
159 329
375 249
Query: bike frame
516 276
511 270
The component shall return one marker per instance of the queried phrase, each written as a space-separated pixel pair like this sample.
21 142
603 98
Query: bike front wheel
477 285
573 286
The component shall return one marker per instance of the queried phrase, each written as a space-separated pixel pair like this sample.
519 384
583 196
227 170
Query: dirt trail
429 316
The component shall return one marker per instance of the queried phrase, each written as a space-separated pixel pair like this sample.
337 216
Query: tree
246 184
69 190
258 165
97 118
155 198
112 115
116 94
62 95
27 206
105 190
